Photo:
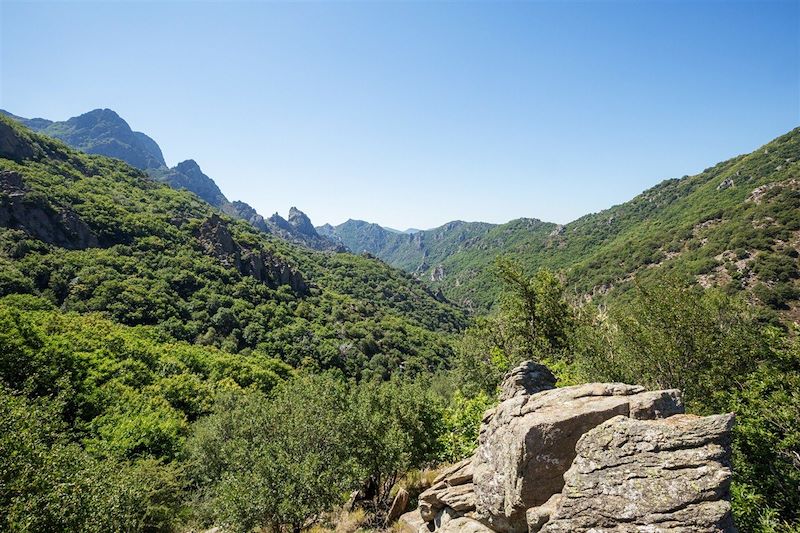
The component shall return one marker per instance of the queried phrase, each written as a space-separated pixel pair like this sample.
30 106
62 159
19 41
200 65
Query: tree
532 321
539 315
278 462
397 427
673 336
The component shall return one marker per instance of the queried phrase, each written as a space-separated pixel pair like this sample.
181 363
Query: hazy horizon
413 115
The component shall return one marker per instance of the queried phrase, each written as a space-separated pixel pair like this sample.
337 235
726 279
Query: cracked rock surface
665 475
528 442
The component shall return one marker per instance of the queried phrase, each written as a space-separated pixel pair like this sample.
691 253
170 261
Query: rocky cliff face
299 229
595 457
216 240
33 214
187 175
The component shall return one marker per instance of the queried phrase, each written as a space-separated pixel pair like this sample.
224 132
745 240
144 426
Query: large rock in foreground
657 475
528 442
601 458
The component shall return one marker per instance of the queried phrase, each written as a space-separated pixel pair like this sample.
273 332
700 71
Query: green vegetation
735 225
164 367
725 355
284 461
154 265
129 310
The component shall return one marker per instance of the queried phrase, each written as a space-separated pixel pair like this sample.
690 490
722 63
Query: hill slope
735 224
91 234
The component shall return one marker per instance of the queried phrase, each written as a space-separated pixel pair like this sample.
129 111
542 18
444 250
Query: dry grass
416 481
340 522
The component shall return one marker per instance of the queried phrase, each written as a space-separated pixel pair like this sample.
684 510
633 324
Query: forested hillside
734 225
128 310
90 234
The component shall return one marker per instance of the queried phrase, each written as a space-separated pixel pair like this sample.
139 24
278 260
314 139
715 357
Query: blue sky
414 114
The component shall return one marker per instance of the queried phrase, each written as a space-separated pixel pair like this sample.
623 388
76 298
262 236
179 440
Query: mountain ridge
104 132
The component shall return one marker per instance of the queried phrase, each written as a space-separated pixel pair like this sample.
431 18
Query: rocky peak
96 116
188 175
301 222
246 212
104 132
189 167
326 230
280 222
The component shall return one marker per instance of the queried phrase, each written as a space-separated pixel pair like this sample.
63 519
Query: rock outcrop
595 457
528 443
188 175
526 379
301 223
649 475
216 239
13 146
34 215
452 489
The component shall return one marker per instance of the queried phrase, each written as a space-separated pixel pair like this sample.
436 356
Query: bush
281 462
276 463
48 483
462 422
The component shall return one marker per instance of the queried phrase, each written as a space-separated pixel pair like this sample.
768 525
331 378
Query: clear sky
417 113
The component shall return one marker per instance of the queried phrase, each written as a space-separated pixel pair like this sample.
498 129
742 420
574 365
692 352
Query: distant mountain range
735 225
104 132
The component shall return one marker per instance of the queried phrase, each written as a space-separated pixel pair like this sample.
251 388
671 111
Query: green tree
533 321
279 462
397 426
673 336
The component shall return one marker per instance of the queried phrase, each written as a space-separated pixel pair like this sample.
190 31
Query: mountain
104 132
413 252
89 234
187 175
735 225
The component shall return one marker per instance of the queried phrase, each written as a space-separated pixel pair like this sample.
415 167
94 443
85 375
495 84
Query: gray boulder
661 476
527 443
527 378
464 525
412 522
